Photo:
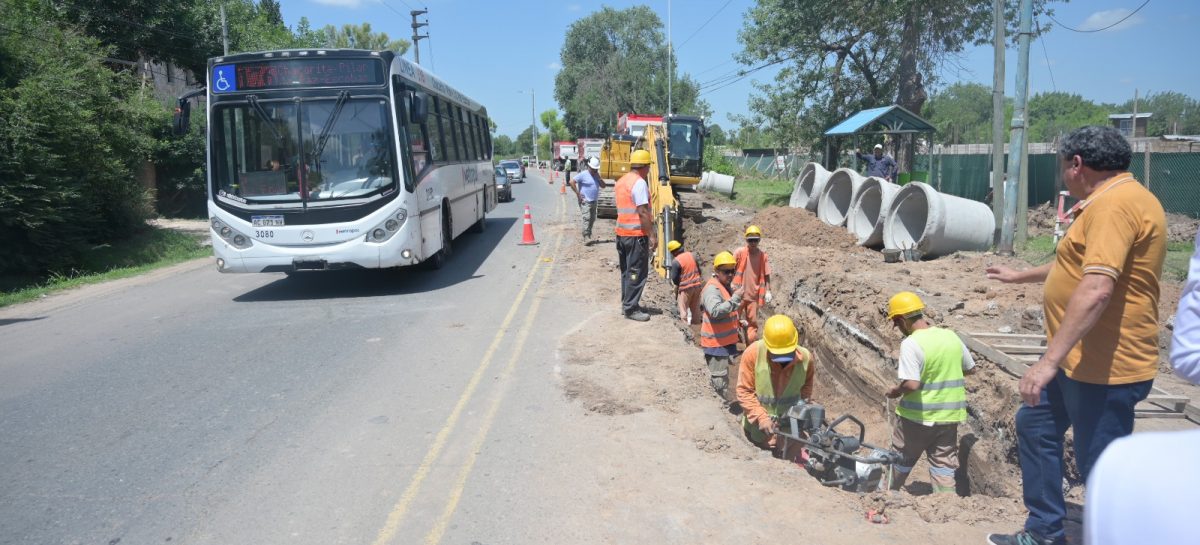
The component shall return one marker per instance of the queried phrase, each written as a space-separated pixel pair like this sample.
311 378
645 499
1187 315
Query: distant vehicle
503 184
515 170
524 160
588 148
566 156
339 159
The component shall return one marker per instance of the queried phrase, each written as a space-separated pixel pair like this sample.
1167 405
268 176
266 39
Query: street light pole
533 121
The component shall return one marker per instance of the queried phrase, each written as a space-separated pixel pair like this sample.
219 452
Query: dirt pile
1181 228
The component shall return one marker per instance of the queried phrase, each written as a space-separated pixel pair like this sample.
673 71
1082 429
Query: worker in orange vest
775 373
635 234
685 275
754 275
719 330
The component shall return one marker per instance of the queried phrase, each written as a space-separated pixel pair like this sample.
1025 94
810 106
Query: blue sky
498 51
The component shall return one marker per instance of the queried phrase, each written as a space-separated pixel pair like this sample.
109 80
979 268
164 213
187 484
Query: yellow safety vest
765 391
942 397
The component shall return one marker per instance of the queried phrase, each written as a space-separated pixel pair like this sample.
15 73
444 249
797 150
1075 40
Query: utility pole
1017 140
670 71
998 113
224 31
417 37
1133 122
533 121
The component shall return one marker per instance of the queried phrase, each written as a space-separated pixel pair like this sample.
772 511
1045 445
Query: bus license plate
267 221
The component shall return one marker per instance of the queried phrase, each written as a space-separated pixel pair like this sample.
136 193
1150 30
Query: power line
1045 54
389 6
713 16
714 67
1139 8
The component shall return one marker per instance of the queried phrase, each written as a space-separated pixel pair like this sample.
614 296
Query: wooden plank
1013 349
1170 399
1014 336
1157 414
1006 362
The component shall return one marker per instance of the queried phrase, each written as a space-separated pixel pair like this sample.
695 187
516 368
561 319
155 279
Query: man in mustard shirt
1101 304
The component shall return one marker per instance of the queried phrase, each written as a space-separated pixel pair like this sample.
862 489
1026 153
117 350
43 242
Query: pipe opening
835 204
865 215
907 224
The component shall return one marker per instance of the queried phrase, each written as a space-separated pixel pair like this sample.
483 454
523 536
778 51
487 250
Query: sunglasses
725 271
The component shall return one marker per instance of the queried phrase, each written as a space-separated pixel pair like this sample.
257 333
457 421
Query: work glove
768 297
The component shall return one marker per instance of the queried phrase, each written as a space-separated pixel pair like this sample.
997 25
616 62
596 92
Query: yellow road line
439 528
396 516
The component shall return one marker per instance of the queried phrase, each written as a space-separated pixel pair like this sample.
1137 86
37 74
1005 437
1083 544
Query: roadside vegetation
1040 250
147 249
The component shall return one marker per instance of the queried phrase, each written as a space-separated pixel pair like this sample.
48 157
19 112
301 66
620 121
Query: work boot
638 316
1024 537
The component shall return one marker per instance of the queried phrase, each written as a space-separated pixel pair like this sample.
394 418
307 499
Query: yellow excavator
677 159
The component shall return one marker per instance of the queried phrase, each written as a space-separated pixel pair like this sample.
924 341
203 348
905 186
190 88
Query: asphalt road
353 407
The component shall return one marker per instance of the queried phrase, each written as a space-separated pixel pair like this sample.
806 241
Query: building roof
894 118
1141 115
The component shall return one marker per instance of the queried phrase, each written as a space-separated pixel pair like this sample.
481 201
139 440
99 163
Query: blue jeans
1098 413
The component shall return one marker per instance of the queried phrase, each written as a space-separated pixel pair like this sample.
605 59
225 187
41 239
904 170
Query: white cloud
574 7
554 66
340 3
1102 19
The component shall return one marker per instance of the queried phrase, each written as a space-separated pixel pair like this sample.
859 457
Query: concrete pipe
719 183
809 186
935 223
834 203
869 209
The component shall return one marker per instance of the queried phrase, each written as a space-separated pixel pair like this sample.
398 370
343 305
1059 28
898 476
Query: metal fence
771 166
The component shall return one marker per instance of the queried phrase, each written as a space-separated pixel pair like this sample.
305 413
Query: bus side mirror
183 114
420 108
707 132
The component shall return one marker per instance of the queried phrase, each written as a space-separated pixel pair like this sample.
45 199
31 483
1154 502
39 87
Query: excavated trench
855 362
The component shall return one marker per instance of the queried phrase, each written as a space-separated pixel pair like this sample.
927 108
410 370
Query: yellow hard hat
723 259
639 158
780 335
673 245
903 304
753 232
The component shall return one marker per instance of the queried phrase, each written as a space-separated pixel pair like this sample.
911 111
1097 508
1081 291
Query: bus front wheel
439 259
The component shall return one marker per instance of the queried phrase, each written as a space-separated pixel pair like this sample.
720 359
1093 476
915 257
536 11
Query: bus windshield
297 154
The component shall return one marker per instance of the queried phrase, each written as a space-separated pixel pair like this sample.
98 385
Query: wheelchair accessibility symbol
223 79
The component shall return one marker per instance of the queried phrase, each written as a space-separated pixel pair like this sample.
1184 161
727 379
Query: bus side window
437 152
416 138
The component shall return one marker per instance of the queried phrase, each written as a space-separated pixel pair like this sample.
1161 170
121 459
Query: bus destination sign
288 73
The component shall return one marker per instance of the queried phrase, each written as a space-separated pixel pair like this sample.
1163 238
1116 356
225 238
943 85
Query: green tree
615 61
503 146
524 142
362 37
1174 113
716 135
962 114
841 57
1052 114
555 128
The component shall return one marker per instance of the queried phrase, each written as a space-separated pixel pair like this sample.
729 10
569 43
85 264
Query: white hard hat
878 146
594 162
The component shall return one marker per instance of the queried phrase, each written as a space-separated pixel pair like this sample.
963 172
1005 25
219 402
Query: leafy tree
716 135
72 134
1052 114
524 142
362 37
615 61
503 146
271 11
841 57
1174 113
962 114
555 128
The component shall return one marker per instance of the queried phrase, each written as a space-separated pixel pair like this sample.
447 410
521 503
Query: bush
72 135
717 162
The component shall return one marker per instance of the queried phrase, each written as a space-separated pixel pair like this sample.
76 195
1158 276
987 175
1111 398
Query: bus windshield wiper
262 114
324 137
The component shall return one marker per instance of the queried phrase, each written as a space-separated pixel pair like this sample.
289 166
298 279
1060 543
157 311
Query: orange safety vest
629 224
718 332
743 257
689 273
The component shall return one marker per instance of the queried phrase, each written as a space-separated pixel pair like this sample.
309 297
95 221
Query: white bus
337 159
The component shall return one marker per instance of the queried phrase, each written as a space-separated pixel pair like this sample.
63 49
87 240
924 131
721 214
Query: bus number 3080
264 234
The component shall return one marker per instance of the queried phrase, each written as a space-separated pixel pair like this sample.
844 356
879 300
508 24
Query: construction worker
587 186
775 373
754 274
685 275
635 233
933 399
719 330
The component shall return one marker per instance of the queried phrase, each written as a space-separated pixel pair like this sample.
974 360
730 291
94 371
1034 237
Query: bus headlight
379 234
230 235
391 225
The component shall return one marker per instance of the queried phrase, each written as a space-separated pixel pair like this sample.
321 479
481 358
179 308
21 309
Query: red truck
566 155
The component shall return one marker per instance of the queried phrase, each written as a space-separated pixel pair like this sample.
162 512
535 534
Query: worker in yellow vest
933 398
719 329
775 373
636 236
685 275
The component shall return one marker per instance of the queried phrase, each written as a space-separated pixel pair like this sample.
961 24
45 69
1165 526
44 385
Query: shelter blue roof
895 118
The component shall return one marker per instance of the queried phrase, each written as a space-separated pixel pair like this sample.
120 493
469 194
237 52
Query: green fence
1173 177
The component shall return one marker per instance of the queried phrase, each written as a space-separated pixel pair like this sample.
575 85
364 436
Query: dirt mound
800 227
1041 219
1181 228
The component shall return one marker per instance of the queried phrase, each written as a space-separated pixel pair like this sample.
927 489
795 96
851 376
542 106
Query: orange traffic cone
527 236
562 189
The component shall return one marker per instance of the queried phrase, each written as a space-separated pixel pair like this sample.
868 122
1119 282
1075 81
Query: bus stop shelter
894 119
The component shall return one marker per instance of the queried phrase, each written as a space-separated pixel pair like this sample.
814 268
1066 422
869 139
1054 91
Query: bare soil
653 374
